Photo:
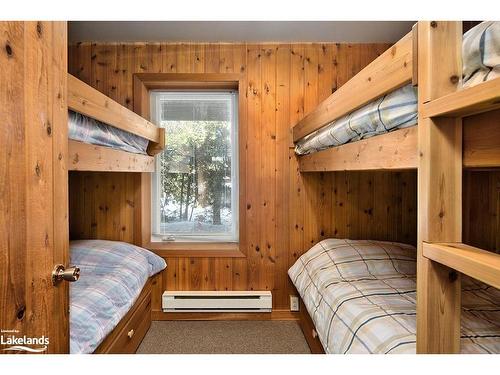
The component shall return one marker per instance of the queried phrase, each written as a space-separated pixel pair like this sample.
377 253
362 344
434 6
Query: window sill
195 249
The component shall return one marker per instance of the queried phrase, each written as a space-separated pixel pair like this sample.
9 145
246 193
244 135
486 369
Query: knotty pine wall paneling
287 211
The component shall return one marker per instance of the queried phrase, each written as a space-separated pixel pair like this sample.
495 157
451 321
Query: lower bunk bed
110 305
360 297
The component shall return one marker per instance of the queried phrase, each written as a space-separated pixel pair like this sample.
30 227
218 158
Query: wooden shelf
391 70
88 101
480 98
87 157
477 263
396 150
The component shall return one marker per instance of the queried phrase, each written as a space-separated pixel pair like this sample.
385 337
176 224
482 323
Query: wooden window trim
143 83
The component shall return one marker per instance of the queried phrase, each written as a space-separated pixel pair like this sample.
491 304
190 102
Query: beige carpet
221 337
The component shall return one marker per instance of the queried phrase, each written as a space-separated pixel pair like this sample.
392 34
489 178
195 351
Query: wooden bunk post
439 188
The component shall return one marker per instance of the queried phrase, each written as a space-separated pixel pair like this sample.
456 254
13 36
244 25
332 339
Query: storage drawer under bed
128 334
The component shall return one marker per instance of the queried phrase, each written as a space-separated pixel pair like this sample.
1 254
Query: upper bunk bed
106 136
368 123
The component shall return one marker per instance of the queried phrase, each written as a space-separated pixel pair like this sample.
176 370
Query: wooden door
33 185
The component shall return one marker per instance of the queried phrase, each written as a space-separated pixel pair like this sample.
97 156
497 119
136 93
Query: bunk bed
105 136
376 128
110 305
429 57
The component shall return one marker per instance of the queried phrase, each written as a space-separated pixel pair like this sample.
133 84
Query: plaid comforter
395 110
398 109
361 296
88 130
112 277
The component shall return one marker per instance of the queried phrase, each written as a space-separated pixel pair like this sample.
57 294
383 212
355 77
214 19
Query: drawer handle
130 333
314 334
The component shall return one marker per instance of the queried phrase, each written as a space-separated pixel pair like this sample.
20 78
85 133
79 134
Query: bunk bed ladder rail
441 254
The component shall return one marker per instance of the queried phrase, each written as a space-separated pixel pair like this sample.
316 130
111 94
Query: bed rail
87 157
396 150
88 101
391 70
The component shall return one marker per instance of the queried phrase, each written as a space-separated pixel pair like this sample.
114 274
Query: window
195 186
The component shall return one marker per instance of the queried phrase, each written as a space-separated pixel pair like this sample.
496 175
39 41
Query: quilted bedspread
112 275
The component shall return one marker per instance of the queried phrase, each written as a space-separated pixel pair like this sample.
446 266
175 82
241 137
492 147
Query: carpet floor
224 337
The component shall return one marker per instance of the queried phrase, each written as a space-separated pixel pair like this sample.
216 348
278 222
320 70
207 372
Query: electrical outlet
294 303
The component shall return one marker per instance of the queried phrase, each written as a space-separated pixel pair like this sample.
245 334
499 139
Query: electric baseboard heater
217 301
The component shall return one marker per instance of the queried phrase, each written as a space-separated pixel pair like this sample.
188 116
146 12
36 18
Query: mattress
398 109
112 275
361 296
88 130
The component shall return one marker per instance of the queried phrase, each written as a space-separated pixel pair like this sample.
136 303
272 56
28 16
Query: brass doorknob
60 273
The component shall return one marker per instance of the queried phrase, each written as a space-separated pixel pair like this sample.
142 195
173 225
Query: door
33 187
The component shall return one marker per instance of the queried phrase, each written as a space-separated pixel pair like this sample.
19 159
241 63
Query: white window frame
233 236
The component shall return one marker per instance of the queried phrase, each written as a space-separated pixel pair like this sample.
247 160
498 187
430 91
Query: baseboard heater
217 301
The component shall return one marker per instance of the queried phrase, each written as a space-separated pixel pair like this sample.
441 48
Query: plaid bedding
361 296
398 109
112 277
481 53
88 130
395 110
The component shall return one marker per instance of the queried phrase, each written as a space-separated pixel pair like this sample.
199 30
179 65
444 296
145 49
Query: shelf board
477 263
480 98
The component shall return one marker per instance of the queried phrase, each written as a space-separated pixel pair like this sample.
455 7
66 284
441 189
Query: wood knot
39 29
49 129
20 312
38 170
8 49
249 206
453 276
434 24
454 79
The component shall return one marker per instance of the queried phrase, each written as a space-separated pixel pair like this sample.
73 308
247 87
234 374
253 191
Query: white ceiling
240 31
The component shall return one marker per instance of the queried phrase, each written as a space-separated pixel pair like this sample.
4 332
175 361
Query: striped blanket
361 296
395 110
112 277
398 109
88 130
481 53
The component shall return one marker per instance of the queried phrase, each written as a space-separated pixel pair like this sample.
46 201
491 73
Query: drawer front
130 336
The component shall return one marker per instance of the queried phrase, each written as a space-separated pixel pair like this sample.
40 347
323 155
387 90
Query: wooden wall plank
281 204
33 180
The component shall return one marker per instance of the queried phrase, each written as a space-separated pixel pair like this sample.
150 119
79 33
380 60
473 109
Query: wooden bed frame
309 331
88 101
396 150
84 99
430 57
129 333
